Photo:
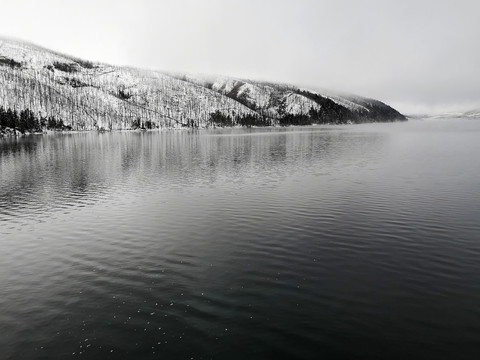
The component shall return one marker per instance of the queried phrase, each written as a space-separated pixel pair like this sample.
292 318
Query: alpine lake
348 241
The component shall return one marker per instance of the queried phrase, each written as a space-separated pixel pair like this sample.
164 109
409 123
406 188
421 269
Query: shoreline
11 133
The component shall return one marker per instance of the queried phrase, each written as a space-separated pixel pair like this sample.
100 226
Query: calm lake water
337 242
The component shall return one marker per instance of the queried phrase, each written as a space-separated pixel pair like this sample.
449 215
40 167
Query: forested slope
48 90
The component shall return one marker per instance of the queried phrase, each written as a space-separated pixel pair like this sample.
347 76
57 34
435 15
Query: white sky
416 55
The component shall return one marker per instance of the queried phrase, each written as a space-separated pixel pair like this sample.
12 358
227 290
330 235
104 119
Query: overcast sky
415 55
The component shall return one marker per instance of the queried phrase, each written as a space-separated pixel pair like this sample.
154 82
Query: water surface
342 241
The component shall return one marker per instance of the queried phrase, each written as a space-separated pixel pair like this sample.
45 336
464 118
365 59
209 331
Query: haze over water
337 241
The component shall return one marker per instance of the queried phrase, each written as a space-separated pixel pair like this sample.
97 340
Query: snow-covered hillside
472 114
87 95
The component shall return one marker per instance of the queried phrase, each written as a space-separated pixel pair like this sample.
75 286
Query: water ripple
336 242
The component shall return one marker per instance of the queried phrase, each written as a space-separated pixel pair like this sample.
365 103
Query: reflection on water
92 165
346 241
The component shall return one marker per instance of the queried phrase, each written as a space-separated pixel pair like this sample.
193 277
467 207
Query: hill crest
89 95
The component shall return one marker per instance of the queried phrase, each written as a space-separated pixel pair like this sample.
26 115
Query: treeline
10 62
26 121
295 119
332 113
219 119
143 125
314 116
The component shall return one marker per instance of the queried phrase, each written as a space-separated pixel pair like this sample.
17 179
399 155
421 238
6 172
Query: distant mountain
59 91
472 114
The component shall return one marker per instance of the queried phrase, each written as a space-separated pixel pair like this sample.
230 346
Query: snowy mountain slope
276 100
88 95
343 101
267 99
472 114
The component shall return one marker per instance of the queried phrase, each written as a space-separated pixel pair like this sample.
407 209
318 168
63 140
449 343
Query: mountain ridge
86 95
